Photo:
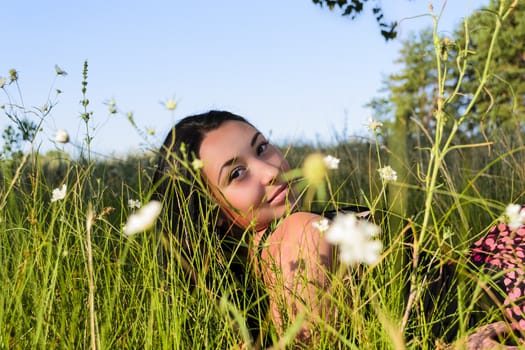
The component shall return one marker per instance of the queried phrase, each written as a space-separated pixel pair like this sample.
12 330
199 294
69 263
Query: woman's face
244 172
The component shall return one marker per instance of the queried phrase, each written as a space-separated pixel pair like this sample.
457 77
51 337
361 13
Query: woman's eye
236 173
262 147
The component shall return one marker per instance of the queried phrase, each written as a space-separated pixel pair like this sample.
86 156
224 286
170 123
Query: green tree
409 100
501 105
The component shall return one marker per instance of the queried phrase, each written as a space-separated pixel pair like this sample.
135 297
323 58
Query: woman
219 160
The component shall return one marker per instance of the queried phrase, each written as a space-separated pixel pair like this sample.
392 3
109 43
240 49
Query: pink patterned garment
503 249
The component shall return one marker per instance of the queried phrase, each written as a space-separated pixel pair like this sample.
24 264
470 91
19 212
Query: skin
244 172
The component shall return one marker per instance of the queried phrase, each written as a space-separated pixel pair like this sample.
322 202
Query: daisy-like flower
354 237
331 162
134 204
515 216
197 164
387 173
170 104
374 125
59 193
61 136
322 225
143 219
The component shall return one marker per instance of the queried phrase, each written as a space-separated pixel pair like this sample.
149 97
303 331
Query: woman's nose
269 172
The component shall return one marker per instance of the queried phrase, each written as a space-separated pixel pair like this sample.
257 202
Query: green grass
45 292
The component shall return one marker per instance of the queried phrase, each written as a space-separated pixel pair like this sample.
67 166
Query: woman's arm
297 262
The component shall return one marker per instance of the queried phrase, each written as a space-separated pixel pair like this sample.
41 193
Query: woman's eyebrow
226 164
254 138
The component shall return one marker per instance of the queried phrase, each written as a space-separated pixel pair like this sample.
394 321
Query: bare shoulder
296 225
296 231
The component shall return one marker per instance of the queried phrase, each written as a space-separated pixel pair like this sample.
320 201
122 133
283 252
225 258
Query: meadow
70 278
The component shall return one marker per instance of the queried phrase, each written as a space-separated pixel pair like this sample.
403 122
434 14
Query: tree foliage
353 8
410 93
501 106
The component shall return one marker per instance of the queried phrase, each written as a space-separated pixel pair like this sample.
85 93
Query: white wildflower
322 225
170 104
59 193
515 215
387 173
197 164
331 162
374 125
354 236
2 82
134 204
143 219
151 131
61 136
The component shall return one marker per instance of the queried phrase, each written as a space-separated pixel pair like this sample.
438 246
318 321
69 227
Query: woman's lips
279 196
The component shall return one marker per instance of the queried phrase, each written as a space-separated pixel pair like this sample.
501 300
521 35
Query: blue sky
297 71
